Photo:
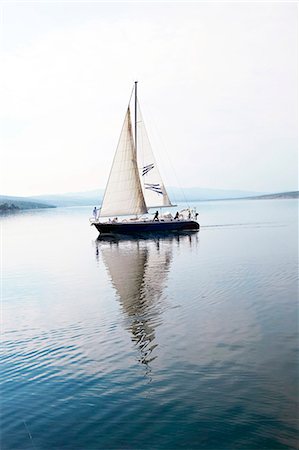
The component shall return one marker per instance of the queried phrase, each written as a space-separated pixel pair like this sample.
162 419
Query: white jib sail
123 194
152 185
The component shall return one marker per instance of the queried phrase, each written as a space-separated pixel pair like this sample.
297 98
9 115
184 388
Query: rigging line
131 96
141 137
170 162
144 136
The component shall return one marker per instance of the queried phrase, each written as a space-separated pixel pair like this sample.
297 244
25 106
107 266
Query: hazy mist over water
173 342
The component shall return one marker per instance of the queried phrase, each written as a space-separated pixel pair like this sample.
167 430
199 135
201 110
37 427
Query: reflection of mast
138 269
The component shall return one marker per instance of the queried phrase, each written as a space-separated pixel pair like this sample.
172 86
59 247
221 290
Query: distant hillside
6 207
195 193
72 199
176 194
282 195
8 203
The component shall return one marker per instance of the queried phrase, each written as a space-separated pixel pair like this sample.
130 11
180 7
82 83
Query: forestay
153 188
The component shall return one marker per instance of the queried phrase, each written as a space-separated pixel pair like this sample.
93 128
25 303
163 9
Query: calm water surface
166 343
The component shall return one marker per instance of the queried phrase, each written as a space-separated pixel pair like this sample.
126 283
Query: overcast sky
217 87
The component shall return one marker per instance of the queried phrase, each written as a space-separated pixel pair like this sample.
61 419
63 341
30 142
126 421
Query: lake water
167 343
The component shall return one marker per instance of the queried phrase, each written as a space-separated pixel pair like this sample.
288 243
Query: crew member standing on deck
95 213
156 216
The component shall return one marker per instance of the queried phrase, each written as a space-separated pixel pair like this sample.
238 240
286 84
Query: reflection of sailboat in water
138 271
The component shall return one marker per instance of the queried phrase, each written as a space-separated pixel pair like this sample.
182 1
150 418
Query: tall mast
136 116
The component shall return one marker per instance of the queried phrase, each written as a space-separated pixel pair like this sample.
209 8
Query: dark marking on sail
147 168
154 187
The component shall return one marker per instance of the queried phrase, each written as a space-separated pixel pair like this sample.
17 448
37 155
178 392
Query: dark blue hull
146 227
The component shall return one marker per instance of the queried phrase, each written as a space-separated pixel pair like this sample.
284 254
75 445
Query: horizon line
169 187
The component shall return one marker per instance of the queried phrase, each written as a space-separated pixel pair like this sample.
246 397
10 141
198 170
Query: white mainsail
153 187
123 194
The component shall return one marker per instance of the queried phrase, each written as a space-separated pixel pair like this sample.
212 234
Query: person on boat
189 214
156 216
95 213
176 217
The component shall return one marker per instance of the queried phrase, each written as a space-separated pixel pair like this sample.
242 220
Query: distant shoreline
5 207
15 204
21 205
278 196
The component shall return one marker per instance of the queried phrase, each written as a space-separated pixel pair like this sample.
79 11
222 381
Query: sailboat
135 185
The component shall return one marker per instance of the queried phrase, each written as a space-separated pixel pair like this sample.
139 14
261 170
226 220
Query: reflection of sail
138 269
